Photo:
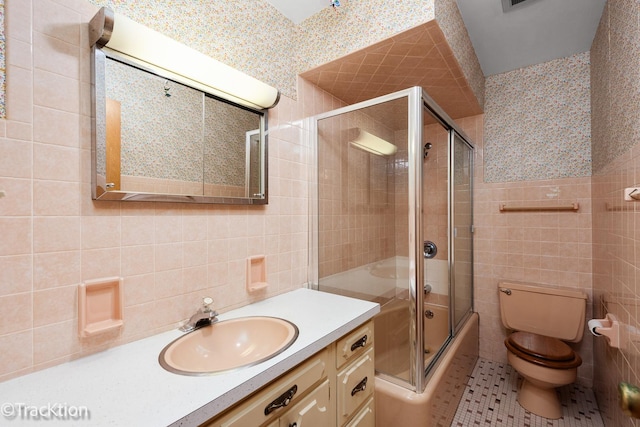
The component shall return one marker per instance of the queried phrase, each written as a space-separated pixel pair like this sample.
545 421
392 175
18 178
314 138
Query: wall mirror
160 136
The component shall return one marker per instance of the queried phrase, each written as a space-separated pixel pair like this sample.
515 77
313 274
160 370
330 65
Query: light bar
373 144
125 36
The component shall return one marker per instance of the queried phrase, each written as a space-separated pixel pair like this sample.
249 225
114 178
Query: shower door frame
418 101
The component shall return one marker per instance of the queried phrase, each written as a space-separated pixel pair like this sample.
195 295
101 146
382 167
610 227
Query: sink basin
228 345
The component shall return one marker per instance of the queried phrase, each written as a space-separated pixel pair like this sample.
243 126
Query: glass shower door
362 221
462 229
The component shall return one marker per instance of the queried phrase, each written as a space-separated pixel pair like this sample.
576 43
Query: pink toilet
540 319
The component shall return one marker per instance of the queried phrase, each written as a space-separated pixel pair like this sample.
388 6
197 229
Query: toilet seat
541 350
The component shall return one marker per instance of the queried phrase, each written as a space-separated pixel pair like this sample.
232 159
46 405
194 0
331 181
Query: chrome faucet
203 317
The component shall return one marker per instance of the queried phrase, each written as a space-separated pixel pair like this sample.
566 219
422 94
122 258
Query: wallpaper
160 142
538 122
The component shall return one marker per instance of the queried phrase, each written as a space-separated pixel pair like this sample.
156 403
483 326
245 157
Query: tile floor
490 400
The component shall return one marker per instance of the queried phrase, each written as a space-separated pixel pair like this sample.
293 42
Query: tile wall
615 98
550 248
55 236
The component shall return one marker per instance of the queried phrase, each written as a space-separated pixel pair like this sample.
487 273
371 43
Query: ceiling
416 57
536 31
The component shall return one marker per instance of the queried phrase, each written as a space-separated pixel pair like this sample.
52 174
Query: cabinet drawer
285 391
366 417
311 411
355 385
354 343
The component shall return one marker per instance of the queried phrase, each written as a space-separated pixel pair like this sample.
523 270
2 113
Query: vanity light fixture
373 144
144 46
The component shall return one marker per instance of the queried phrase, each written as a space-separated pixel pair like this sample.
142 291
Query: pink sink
228 345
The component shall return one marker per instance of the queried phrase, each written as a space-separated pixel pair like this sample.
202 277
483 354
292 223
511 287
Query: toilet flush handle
506 291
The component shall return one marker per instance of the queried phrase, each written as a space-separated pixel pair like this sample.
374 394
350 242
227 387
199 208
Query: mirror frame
98 135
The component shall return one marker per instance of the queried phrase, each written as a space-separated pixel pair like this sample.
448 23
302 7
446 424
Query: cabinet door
312 411
355 385
365 418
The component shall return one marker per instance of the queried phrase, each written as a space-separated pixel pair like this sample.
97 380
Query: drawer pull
360 343
281 401
361 386
293 425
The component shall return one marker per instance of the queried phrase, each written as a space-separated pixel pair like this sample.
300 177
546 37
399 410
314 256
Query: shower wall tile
538 122
616 164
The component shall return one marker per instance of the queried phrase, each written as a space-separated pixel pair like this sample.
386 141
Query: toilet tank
552 312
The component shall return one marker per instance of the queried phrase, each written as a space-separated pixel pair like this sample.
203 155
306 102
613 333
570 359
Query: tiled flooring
490 400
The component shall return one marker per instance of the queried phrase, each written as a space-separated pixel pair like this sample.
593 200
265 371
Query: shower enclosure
393 222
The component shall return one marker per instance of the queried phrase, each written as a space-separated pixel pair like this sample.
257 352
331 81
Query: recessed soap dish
256 273
100 306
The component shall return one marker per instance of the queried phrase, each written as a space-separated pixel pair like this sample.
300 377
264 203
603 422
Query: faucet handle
206 303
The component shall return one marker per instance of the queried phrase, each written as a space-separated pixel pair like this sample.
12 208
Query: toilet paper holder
609 327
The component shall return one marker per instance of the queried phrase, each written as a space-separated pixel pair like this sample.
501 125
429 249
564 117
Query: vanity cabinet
332 388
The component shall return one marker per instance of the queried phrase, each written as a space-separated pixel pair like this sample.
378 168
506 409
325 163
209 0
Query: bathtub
383 280
386 282
392 347
437 405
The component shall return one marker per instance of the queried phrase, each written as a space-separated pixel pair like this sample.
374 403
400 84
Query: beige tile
52 162
15 159
55 91
137 230
100 232
99 263
18 20
168 228
169 256
195 253
19 53
195 278
17 309
57 21
53 55
55 341
16 352
16 274
138 260
55 269
139 320
17 236
56 198
168 284
17 197
138 289
56 127
18 130
55 234
19 94
55 305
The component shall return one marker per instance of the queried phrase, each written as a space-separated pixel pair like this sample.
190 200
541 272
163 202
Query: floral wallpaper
538 122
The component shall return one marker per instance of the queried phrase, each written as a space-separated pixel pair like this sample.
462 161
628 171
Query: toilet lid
542 347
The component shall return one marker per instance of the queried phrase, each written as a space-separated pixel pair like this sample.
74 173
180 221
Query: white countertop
126 386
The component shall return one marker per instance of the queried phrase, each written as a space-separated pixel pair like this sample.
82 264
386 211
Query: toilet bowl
541 320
